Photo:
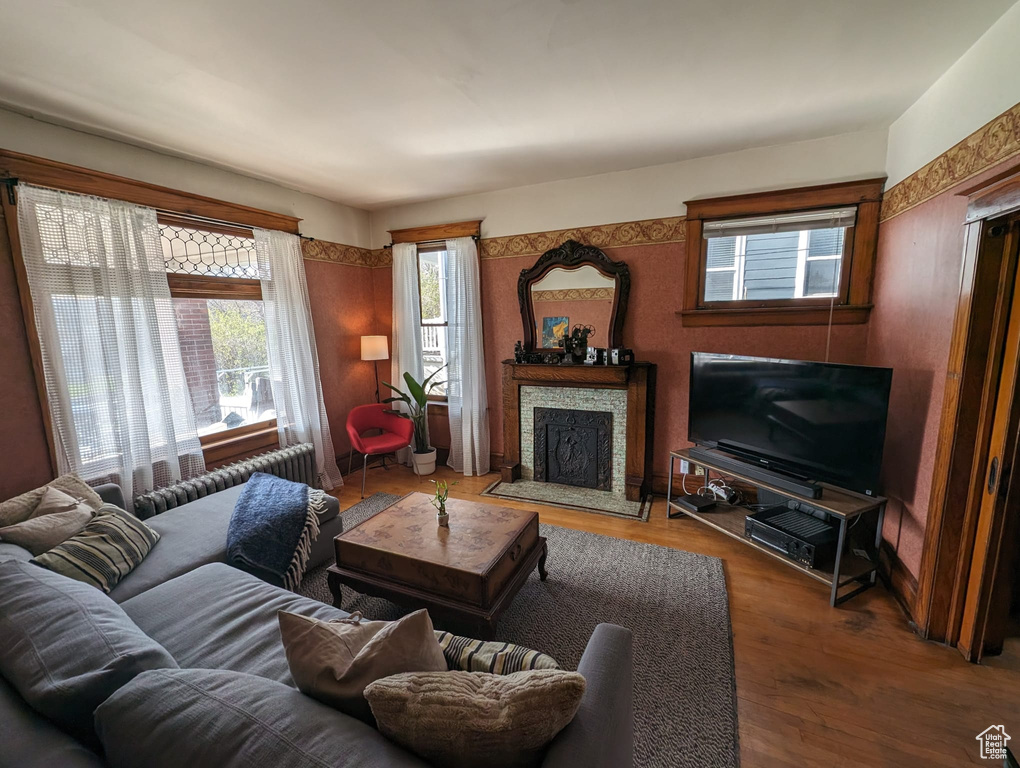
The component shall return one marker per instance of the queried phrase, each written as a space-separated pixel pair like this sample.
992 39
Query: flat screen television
822 422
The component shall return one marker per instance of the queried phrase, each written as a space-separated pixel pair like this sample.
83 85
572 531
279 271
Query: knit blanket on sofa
272 529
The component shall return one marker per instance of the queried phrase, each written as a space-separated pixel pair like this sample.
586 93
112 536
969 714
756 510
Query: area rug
584 499
675 602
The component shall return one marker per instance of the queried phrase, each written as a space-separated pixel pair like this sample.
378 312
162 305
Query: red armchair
397 433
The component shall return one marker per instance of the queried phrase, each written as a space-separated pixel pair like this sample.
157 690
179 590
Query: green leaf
416 390
424 383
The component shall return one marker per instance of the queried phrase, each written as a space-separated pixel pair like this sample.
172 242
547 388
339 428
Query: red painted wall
343 310
26 457
917 282
652 328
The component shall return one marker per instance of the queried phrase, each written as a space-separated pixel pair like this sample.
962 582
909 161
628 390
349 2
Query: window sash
799 298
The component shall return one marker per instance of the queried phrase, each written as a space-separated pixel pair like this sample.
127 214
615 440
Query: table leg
542 573
335 589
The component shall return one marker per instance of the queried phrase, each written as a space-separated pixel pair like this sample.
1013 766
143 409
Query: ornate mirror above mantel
572 285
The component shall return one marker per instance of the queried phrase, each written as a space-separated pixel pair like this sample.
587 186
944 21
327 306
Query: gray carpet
675 602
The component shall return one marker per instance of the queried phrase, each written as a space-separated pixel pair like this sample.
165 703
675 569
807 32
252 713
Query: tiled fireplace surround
612 401
626 392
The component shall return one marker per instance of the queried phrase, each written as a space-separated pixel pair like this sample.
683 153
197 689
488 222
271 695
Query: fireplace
626 393
574 447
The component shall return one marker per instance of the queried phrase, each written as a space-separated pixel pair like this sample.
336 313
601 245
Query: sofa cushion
207 718
65 646
191 536
31 741
22 507
473 719
219 617
195 534
106 550
13 552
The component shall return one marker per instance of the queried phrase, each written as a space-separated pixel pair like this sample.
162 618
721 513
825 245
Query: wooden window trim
436 232
73 178
853 306
205 287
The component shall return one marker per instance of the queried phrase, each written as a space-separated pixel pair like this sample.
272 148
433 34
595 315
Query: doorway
968 593
990 599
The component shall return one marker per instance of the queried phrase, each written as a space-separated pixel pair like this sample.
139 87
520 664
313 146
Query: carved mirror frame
572 255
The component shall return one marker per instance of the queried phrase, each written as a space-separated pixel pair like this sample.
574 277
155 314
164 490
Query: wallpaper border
994 142
621 235
337 253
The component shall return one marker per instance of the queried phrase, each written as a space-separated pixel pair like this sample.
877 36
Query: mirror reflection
564 298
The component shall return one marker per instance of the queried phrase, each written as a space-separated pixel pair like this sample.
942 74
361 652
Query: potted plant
439 502
417 399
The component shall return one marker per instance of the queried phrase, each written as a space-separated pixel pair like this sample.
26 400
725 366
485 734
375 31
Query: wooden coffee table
467 573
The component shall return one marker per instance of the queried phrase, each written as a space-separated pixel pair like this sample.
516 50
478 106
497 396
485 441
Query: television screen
818 421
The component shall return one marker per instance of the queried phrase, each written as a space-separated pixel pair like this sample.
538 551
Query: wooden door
989 582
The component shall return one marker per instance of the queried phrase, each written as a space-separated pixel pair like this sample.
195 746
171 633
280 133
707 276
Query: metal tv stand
859 517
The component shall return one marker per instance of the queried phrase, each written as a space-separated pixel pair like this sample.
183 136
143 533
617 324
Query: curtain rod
476 238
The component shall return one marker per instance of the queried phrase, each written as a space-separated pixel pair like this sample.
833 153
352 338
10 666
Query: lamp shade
374 348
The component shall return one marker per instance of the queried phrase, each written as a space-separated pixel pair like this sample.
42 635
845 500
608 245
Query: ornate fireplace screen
574 447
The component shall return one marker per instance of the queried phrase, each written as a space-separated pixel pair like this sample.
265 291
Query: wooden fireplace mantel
638 379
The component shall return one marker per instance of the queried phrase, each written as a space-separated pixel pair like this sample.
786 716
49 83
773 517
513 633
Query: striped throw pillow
104 552
466 655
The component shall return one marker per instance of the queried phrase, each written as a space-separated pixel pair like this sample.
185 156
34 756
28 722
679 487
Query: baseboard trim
897 579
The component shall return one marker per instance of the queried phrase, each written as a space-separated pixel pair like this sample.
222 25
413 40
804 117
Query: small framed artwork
553 330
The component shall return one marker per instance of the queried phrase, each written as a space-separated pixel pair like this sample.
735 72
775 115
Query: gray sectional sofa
211 616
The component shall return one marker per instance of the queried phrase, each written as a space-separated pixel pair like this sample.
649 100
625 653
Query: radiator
295 463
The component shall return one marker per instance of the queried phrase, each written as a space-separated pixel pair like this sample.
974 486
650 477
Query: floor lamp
375 348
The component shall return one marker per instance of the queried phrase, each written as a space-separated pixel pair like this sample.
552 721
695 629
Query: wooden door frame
986 279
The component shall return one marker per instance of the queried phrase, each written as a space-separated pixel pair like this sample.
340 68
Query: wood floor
839 687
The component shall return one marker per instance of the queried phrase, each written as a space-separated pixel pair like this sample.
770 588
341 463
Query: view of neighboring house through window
432 288
797 256
222 330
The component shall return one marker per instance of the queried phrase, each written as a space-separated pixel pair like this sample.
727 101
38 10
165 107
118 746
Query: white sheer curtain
293 360
118 398
407 352
468 404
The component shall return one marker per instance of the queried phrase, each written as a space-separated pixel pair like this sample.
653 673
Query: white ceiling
376 102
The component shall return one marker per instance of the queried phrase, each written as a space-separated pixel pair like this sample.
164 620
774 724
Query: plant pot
425 463
443 519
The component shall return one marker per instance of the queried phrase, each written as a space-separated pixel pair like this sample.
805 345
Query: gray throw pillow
214 717
66 646
105 551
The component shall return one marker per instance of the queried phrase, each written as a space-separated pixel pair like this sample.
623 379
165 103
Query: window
791 257
226 362
432 296
221 324
797 256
